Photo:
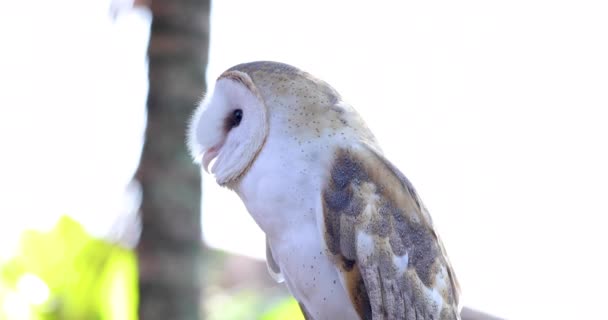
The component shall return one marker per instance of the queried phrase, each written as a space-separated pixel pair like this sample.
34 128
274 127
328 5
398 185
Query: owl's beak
209 155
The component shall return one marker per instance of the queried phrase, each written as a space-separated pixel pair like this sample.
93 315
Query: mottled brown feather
358 293
367 196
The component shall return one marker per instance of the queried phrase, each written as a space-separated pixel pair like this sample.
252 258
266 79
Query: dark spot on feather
355 286
347 170
338 199
418 243
347 264
364 307
347 237
332 230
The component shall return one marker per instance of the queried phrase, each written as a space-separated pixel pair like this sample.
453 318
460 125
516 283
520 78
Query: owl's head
229 127
257 100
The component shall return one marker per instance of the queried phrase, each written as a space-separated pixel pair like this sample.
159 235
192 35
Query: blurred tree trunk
170 250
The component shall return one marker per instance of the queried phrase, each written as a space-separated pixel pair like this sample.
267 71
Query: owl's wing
392 262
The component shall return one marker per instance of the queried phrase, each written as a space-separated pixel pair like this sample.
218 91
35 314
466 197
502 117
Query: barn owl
345 229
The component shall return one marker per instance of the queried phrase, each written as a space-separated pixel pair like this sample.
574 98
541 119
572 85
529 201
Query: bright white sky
495 110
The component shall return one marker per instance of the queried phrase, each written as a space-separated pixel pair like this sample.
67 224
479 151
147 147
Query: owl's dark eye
237 116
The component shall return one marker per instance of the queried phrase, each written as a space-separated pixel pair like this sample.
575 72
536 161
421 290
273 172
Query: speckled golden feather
393 264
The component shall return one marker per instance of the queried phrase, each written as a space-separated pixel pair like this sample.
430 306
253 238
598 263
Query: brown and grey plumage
345 229
383 241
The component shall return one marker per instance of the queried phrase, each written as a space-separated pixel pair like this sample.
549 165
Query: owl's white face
229 126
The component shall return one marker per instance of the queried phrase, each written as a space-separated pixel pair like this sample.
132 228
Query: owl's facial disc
229 128
232 121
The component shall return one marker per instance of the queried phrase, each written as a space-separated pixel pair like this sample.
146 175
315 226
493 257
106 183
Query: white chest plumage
282 192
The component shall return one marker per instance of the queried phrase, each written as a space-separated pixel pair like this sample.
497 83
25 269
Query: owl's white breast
282 192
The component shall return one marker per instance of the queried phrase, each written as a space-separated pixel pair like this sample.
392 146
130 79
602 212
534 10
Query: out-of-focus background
497 112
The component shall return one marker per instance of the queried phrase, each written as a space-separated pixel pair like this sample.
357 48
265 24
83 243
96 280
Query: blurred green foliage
67 274
250 305
288 309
